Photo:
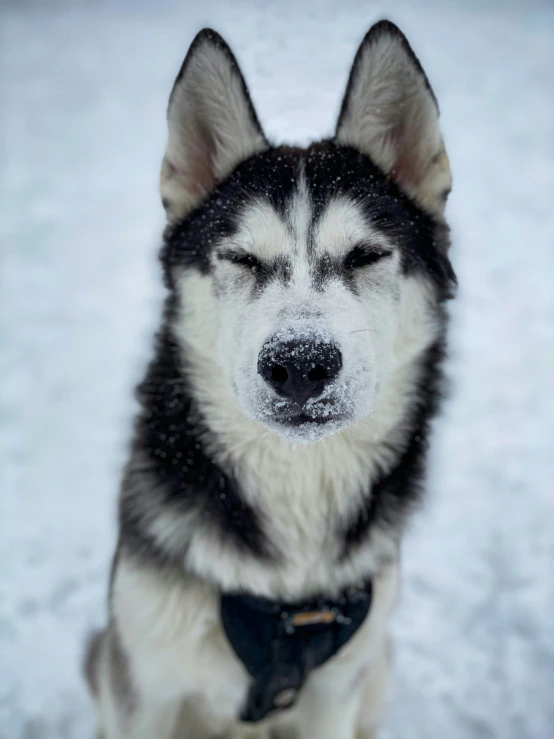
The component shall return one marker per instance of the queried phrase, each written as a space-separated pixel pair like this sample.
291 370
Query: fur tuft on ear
390 113
212 125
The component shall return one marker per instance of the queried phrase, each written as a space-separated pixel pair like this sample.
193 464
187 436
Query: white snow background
84 88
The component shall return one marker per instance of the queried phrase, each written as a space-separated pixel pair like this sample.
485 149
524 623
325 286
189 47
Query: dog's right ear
390 113
212 125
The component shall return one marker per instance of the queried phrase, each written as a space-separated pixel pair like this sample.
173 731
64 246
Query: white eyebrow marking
261 232
342 226
267 234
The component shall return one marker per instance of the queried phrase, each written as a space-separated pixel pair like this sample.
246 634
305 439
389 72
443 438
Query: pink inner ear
201 174
407 167
403 170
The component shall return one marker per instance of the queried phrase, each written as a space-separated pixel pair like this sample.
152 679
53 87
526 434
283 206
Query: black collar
281 643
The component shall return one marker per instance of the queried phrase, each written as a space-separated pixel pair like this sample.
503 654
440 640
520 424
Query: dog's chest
305 501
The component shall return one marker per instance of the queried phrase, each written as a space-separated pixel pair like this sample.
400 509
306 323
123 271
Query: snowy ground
83 94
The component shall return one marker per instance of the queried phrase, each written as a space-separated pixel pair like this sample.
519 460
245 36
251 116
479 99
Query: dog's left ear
212 125
390 113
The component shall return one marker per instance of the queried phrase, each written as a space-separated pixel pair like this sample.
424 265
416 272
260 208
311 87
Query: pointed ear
212 125
390 113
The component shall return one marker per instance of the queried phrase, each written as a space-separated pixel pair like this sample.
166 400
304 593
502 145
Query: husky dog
284 419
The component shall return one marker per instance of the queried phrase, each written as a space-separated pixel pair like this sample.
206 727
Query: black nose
299 369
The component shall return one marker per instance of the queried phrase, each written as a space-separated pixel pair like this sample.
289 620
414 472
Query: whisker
360 330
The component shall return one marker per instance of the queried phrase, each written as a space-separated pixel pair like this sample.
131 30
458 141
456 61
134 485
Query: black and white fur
231 486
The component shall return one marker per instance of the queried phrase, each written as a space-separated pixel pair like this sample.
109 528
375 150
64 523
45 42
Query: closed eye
363 256
242 259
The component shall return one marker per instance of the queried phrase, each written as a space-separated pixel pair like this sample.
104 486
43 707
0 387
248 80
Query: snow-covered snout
293 267
306 321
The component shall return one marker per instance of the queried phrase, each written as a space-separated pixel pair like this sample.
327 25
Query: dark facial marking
242 259
330 171
271 176
326 268
346 268
334 171
263 271
364 256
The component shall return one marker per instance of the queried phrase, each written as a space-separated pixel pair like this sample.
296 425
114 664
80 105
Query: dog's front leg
327 711
124 713
242 731
345 701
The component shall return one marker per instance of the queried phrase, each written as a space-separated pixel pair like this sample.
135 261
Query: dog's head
303 278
